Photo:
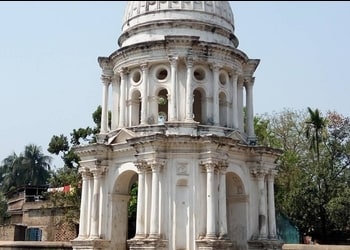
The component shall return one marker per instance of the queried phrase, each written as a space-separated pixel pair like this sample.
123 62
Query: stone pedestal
265 244
215 244
95 244
143 244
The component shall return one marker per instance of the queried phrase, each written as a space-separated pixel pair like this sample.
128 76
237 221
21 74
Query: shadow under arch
237 209
199 108
122 226
135 108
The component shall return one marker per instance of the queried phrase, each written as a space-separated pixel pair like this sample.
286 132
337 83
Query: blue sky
50 78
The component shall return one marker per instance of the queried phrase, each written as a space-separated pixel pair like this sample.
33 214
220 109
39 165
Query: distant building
34 218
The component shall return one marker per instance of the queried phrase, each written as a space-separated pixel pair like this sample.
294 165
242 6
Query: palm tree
315 125
9 171
36 164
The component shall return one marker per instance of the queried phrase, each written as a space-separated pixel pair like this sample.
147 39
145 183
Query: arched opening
236 205
182 214
223 109
135 108
123 219
162 106
198 106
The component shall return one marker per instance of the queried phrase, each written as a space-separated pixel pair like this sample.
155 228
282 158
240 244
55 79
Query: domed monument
180 95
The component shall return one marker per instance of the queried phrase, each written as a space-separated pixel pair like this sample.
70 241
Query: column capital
259 172
233 72
240 81
122 71
106 79
144 66
215 67
114 78
97 173
222 166
189 61
156 166
85 173
248 81
141 165
209 166
173 60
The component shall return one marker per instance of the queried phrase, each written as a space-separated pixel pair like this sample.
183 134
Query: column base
143 244
98 244
214 244
265 245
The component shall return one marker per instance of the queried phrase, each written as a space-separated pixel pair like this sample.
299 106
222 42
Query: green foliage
58 144
312 186
68 174
31 167
69 201
81 134
133 202
3 209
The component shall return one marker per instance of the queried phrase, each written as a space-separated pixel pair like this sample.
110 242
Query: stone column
240 104
84 210
249 82
122 99
115 100
140 213
222 201
211 231
235 100
261 174
271 204
216 107
154 229
189 91
172 99
148 197
94 234
144 93
106 80
90 202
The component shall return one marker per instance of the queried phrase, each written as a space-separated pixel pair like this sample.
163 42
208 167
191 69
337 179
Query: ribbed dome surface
220 12
150 20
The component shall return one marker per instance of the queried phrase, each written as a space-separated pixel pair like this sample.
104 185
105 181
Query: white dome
152 20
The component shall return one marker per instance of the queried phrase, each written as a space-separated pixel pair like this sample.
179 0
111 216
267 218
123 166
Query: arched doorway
122 219
237 215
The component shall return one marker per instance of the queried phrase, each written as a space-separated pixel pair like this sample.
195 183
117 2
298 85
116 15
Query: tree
29 167
36 165
312 185
68 174
60 145
69 201
10 173
316 124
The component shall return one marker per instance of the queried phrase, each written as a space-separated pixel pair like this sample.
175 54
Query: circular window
199 74
161 73
223 78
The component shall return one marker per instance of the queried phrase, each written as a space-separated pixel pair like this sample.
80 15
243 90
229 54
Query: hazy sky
50 78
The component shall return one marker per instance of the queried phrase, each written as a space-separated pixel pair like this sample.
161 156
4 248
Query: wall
26 245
